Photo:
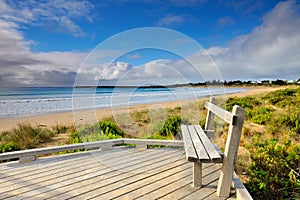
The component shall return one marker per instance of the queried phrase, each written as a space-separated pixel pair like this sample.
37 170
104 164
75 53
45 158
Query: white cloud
66 24
19 66
271 50
57 16
170 20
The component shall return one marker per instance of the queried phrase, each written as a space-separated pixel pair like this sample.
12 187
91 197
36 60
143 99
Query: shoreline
90 116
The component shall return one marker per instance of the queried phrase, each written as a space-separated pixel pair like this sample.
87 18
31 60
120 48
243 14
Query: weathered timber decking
120 173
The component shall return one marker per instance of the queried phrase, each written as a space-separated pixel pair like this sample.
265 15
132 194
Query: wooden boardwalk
120 173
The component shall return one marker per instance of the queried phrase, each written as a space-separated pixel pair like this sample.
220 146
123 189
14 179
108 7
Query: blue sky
208 22
44 43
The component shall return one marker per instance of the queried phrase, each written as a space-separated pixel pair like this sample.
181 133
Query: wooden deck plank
211 175
209 191
148 184
121 181
60 171
47 170
21 168
178 182
202 154
16 168
126 170
166 188
143 174
64 176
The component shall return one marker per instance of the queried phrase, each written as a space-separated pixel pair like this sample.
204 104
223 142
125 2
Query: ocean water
19 102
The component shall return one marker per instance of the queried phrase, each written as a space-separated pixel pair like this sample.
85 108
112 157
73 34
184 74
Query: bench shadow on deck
119 173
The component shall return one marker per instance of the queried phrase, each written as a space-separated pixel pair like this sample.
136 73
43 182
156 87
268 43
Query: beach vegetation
58 128
245 102
274 170
25 136
260 115
171 126
271 137
170 129
284 98
7 147
102 130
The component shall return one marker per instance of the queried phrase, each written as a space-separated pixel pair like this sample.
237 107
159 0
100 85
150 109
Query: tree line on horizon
249 82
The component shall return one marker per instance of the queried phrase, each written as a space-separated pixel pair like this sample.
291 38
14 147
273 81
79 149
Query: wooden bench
199 149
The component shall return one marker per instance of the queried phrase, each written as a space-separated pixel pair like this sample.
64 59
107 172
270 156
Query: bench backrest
236 121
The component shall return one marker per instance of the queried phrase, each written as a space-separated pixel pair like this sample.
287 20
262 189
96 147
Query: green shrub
292 121
100 131
260 115
171 127
274 171
202 123
109 127
244 102
286 122
74 138
8 147
283 98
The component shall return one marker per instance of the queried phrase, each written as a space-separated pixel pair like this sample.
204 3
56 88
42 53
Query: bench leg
197 174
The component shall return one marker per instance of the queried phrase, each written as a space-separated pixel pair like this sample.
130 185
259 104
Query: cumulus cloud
269 51
56 15
19 66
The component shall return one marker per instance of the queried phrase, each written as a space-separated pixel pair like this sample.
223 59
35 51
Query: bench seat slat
211 151
202 154
188 146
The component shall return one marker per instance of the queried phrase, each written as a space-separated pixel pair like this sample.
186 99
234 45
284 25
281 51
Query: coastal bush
58 129
274 171
260 115
8 147
110 128
283 98
102 130
26 136
171 127
286 122
244 102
